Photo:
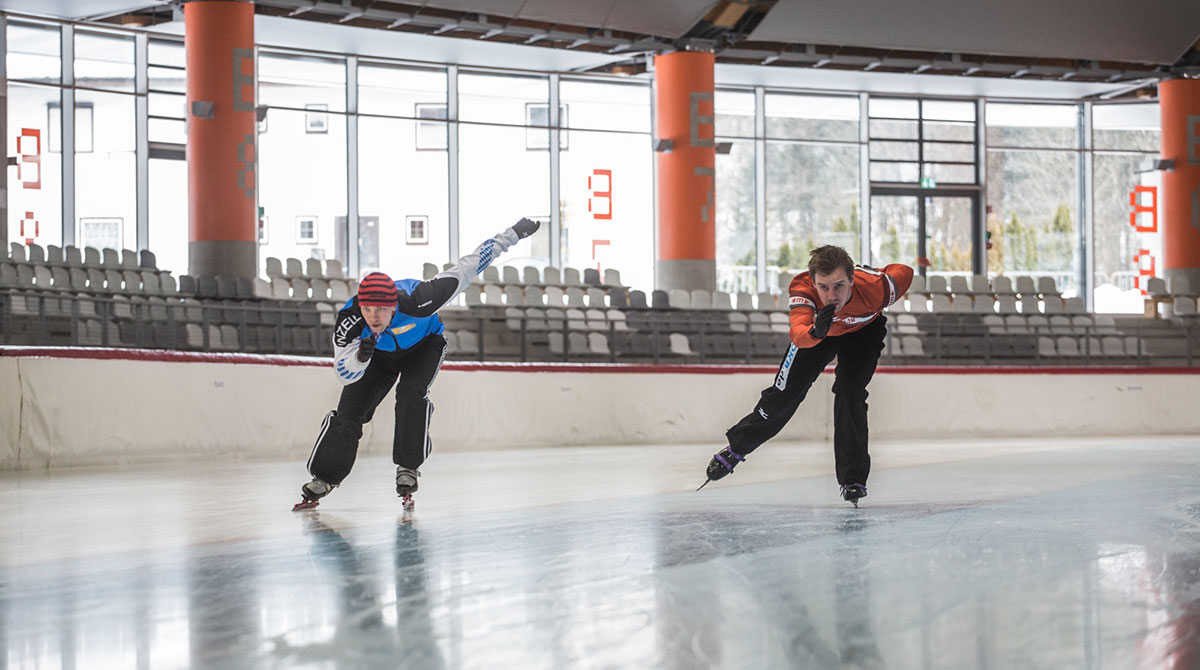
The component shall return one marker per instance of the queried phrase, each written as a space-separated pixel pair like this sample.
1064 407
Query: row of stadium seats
532 276
88 257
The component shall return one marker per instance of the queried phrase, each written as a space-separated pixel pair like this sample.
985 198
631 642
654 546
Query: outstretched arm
432 294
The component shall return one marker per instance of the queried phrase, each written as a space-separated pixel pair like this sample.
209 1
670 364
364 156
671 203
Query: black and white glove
526 227
824 320
366 347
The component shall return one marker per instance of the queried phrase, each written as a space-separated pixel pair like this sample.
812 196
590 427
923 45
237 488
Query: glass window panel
35 182
960 153
950 174
166 79
811 117
894 150
895 223
948 235
734 113
399 184
948 110
899 130
1037 126
735 220
812 199
490 98
537 117
896 172
104 61
34 53
500 182
286 80
1116 242
105 176
1127 126
169 214
607 205
432 134
303 177
167 130
605 105
166 104
937 130
165 52
893 108
399 91
1032 195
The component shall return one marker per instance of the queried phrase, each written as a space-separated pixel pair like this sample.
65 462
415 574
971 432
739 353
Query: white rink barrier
72 407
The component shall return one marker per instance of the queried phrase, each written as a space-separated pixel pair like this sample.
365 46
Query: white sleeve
346 364
474 263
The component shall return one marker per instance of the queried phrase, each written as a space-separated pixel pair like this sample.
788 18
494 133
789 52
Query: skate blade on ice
406 502
305 504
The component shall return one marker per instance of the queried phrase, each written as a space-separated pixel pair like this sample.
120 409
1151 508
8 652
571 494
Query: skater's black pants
337 445
857 356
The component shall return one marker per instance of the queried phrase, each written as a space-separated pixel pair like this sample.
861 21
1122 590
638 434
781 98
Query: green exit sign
928 182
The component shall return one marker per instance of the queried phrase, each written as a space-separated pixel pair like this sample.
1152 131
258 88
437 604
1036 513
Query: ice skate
851 493
312 493
722 463
406 485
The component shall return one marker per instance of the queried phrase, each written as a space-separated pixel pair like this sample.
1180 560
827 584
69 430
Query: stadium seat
551 276
535 296
510 275
679 299
530 275
596 297
513 295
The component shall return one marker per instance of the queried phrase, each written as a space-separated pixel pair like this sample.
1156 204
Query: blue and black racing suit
408 354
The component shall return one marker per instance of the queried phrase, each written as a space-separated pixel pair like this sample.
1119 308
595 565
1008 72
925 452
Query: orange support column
1179 102
221 142
687 240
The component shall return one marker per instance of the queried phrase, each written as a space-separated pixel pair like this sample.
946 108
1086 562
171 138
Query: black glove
824 320
525 227
366 347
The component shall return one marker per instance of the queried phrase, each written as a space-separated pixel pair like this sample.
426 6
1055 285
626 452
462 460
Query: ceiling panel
664 18
1155 32
76 9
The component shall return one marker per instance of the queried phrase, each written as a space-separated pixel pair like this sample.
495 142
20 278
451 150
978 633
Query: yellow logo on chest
403 329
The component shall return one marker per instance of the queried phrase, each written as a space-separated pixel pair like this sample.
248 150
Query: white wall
60 412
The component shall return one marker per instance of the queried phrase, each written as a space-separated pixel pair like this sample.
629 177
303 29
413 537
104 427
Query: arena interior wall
105 407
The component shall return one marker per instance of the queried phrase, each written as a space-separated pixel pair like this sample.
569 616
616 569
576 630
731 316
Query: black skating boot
406 484
851 493
722 463
312 493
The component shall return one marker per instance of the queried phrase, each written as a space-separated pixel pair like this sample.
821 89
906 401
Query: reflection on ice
941 569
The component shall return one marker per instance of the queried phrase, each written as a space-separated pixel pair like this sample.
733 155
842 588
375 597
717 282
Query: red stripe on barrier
158 355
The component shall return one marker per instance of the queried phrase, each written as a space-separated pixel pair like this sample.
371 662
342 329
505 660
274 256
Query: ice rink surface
1072 553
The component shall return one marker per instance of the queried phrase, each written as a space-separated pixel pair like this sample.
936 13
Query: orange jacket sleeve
802 306
901 275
